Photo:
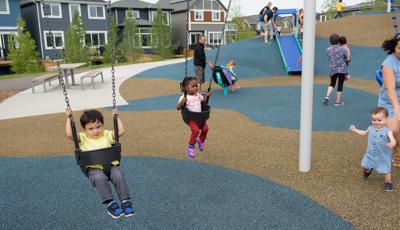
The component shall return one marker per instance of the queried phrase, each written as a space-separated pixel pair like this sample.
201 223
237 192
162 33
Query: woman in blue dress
389 96
380 144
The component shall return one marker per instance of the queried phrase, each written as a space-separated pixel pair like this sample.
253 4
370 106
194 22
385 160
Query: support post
307 85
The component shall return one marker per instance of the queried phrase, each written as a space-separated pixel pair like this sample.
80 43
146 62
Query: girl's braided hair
185 82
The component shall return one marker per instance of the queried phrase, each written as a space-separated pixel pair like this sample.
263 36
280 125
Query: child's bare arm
181 103
359 132
392 140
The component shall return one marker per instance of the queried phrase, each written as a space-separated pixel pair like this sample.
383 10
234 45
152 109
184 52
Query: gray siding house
9 12
60 13
144 14
206 17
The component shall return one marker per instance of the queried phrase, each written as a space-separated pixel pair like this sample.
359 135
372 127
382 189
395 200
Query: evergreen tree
161 41
75 49
130 41
112 40
23 55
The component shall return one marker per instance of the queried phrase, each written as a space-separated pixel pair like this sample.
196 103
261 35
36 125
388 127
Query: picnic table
69 67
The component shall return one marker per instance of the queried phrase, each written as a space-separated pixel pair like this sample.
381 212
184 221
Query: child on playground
344 44
337 56
230 66
381 141
95 137
192 100
278 29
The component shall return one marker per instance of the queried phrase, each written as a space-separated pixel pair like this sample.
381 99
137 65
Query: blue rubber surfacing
279 106
167 193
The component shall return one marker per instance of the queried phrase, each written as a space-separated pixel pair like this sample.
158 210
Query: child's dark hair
342 40
378 110
390 45
90 116
185 82
334 39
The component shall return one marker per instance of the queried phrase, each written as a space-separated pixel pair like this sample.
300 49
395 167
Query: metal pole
389 5
307 83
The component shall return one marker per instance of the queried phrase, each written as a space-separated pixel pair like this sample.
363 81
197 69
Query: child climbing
381 141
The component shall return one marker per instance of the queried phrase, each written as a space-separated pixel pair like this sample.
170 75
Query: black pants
339 76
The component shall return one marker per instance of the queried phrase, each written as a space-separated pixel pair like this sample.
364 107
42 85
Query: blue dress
378 156
392 62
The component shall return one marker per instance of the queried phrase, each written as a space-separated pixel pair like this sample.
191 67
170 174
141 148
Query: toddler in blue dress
381 141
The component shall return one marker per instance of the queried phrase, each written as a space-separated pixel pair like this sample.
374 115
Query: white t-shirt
193 102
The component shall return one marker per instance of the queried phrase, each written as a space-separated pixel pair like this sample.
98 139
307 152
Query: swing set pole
307 83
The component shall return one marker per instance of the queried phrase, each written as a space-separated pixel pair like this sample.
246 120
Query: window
198 15
135 13
52 10
96 12
4 7
216 16
56 38
72 9
145 37
165 16
214 38
194 37
95 39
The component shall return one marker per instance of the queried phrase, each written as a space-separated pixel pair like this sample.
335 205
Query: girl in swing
192 100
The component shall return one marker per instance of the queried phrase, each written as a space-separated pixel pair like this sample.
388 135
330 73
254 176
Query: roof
181 5
252 19
138 4
103 2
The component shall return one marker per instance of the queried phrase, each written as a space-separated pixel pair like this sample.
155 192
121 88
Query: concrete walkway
26 104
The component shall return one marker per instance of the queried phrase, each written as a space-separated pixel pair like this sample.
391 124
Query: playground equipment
378 73
288 44
102 156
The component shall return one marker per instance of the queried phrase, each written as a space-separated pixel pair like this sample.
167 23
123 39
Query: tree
23 55
329 7
75 49
243 30
112 41
130 45
161 41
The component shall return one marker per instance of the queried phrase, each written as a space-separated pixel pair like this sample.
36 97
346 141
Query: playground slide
291 51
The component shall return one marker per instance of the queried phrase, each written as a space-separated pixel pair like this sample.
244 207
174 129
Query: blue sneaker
388 187
366 174
114 210
128 209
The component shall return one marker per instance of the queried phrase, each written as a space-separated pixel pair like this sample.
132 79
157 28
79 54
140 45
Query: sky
251 7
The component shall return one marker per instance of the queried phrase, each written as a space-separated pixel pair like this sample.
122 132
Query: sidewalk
27 104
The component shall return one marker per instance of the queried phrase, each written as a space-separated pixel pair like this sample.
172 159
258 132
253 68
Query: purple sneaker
191 151
200 143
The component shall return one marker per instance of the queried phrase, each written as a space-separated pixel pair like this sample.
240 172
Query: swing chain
187 37
223 33
112 52
60 75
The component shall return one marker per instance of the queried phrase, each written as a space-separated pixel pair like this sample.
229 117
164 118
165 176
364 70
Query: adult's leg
100 181
339 92
199 70
331 85
394 126
119 183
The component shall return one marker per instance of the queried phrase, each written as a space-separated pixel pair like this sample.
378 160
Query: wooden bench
43 79
92 74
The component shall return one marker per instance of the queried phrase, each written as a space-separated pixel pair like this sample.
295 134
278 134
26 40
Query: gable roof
181 5
138 4
102 2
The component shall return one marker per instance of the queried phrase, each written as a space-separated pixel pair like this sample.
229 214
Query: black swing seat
201 117
102 157
220 77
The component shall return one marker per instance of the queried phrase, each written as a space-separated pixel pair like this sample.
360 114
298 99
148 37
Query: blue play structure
289 46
